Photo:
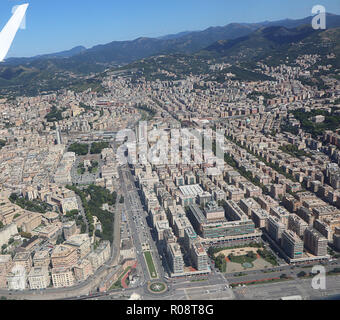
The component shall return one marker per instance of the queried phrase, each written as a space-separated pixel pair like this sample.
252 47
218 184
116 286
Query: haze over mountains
234 42
61 54
187 42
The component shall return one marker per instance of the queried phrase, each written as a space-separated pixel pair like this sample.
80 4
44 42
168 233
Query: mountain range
235 40
121 52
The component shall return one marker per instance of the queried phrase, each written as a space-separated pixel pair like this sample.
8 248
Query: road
275 291
136 218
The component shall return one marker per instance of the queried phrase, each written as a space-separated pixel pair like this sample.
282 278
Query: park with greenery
93 168
220 259
80 149
221 263
268 256
30 205
54 115
332 121
147 113
98 196
250 257
97 147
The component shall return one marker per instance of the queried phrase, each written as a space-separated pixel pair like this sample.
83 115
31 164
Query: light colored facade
260 218
41 259
175 258
83 270
315 242
81 242
38 278
5 267
28 221
69 204
297 224
64 256
7 232
199 257
23 259
62 277
100 255
69 229
292 244
275 228
17 278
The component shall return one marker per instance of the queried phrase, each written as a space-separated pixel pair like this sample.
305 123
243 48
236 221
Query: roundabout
157 287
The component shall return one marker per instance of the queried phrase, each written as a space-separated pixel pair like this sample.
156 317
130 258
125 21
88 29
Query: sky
57 25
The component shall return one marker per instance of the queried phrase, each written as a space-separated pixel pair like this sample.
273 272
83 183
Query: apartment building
175 257
260 218
297 225
100 255
336 239
190 236
315 242
292 244
281 213
69 229
83 270
17 278
23 259
5 267
64 256
81 242
41 259
218 229
62 277
38 278
275 228
248 204
199 257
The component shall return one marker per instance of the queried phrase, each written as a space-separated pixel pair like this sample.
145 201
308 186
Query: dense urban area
105 195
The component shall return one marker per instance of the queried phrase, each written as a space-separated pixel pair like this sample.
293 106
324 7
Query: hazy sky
56 25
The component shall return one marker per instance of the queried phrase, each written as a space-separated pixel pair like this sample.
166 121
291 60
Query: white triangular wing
9 31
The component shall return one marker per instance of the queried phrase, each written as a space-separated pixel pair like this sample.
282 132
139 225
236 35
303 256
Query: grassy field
241 259
151 266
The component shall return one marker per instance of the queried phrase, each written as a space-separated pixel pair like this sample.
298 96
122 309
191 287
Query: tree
72 213
81 149
97 147
301 274
60 239
25 235
83 228
251 255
